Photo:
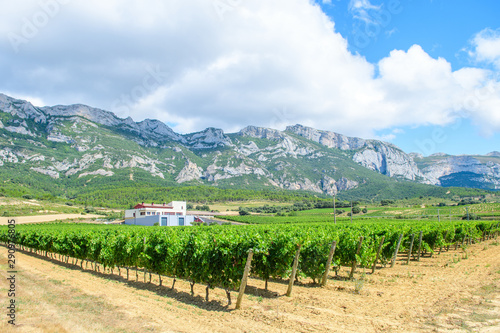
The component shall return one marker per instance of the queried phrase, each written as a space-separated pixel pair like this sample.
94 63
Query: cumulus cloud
229 64
486 47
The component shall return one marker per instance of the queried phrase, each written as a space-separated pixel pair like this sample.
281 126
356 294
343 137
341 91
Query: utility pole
334 211
351 211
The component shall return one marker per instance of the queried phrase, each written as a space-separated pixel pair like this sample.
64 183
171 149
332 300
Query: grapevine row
216 256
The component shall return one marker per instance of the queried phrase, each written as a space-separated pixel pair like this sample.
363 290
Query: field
139 279
438 294
376 213
24 207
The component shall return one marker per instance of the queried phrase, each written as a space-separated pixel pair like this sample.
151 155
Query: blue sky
443 28
423 74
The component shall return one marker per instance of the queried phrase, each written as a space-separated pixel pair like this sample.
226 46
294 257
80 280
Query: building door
181 221
164 221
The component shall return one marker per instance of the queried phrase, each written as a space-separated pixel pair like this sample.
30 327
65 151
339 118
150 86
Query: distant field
23 207
233 206
374 213
29 211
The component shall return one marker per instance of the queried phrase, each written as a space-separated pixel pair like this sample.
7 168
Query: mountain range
77 145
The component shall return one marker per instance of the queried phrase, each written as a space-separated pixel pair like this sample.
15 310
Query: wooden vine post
378 254
354 263
328 263
419 245
397 250
294 271
243 284
411 248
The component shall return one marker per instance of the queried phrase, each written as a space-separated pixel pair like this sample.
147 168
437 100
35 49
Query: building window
143 213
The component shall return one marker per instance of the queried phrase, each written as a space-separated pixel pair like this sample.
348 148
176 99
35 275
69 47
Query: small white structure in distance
171 214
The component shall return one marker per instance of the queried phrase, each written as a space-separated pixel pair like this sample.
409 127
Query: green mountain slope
91 156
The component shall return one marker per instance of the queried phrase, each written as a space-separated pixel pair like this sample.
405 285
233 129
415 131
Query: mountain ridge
98 144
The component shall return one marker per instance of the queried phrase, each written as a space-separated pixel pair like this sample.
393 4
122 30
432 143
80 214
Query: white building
171 214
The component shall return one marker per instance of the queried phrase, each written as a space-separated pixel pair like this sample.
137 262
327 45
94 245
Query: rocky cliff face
207 139
375 155
328 139
487 172
78 141
389 161
262 133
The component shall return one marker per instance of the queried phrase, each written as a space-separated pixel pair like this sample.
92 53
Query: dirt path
46 218
446 293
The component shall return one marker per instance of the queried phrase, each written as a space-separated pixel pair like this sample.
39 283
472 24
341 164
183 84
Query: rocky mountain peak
494 154
328 139
20 108
289 159
99 116
261 133
157 129
208 138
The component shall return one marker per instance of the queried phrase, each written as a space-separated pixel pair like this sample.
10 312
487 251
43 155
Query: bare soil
47 218
451 292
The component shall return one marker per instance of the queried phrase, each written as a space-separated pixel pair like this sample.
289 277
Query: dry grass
425 296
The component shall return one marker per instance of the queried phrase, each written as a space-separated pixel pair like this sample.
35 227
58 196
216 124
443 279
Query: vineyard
375 214
216 256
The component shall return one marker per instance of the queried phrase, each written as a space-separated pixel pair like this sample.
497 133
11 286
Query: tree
243 211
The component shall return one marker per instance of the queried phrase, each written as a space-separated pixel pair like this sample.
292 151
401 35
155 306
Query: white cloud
265 63
361 9
486 47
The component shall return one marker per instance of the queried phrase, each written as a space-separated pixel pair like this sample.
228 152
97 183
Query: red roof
152 205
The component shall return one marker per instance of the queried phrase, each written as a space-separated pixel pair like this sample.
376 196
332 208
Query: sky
422 74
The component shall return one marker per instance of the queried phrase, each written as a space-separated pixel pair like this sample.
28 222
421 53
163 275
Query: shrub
472 216
90 210
203 207
243 211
